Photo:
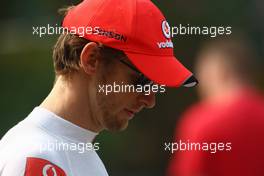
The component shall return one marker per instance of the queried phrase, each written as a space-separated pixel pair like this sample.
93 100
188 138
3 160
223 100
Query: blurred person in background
222 135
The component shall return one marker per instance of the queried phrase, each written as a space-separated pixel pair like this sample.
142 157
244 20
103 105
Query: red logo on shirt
41 167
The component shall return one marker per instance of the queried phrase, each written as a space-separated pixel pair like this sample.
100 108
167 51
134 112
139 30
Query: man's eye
135 79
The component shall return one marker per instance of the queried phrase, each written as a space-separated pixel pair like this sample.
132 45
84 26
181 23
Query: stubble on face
107 109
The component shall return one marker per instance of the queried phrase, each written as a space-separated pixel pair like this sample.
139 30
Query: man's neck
69 102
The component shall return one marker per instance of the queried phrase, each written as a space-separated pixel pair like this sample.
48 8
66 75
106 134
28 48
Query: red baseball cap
139 29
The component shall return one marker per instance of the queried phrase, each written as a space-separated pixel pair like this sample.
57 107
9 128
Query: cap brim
163 70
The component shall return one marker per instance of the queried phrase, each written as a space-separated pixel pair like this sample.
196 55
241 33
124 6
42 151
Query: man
125 42
222 134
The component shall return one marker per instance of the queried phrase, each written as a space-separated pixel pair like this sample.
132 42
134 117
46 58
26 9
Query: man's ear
88 58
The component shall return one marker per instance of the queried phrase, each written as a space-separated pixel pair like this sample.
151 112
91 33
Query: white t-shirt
44 144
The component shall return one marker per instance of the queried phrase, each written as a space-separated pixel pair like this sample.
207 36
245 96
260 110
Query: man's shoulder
32 164
25 135
25 147
30 157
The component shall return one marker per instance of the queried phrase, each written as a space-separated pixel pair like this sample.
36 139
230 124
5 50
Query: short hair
238 54
68 48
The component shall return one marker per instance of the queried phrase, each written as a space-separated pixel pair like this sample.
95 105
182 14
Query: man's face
211 72
114 110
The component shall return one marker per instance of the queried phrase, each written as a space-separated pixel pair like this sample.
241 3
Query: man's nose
149 101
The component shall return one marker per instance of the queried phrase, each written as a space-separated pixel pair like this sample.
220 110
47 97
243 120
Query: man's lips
131 113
